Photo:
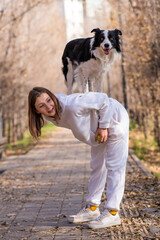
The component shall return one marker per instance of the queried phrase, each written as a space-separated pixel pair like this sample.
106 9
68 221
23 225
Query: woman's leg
95 187
116 158
116 174
98 175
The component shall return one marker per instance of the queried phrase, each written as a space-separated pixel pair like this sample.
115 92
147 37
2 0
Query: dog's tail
68 73
65 67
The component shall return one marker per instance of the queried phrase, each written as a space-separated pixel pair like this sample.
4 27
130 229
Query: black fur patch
114 39
77 50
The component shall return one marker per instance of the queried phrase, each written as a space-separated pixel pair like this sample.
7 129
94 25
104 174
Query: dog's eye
111 38
102 38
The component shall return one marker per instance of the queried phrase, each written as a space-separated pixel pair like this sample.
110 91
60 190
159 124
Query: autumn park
44 181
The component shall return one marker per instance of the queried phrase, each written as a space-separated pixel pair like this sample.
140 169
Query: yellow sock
91 207
113 212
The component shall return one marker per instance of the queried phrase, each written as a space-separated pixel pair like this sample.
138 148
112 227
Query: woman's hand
103 133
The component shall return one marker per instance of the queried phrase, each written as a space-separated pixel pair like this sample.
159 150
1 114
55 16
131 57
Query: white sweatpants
108 162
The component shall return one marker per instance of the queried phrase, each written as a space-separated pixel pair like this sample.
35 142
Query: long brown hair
35 120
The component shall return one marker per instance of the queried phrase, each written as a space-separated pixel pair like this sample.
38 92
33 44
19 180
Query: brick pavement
39 189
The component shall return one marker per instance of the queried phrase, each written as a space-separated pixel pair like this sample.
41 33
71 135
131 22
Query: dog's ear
96 30
118 32
96 38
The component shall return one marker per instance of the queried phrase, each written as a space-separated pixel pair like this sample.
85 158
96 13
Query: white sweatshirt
84 113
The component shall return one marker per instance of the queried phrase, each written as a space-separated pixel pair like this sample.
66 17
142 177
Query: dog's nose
106 45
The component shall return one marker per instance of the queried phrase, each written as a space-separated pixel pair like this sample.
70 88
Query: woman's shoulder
60 96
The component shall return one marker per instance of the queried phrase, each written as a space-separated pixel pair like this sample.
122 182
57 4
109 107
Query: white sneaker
105 220
84 215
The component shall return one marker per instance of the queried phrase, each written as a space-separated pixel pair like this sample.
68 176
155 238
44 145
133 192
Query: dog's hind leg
69 76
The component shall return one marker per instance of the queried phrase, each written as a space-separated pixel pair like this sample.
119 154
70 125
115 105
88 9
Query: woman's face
45 105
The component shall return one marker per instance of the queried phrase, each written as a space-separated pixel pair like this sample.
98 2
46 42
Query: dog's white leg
99 83
90 85
69 76
84 82
81 80
85 85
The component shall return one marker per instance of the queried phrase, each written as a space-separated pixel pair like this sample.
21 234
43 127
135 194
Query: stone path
38 190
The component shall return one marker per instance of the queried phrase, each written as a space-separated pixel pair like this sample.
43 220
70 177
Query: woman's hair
35 120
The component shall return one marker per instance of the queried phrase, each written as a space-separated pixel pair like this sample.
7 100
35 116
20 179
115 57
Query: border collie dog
85 60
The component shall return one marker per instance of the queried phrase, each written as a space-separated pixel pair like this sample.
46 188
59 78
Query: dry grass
146 149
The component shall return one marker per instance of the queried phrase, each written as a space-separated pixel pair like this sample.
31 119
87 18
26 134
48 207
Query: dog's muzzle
107 50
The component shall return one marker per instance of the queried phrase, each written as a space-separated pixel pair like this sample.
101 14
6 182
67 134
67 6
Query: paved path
40 188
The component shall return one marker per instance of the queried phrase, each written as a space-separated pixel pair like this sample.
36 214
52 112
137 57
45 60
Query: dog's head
107 40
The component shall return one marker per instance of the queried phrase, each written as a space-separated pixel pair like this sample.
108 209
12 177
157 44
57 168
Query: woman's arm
99 102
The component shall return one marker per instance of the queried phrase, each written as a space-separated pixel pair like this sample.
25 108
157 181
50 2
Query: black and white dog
85 60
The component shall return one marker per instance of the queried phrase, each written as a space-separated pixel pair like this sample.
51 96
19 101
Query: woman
102 123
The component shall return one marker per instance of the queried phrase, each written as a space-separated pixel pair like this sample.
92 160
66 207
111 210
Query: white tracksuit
83 114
